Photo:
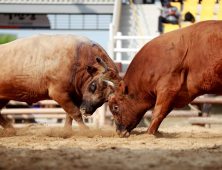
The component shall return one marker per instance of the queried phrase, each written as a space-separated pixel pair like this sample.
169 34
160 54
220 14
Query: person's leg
161 2
173 22
160 24
5 124
207 108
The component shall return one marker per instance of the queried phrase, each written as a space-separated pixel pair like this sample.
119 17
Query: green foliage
4 38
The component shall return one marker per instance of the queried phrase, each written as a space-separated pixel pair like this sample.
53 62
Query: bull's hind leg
3 122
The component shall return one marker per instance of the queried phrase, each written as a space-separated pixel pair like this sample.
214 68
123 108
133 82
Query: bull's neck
140 89
81 79
141 98
139 80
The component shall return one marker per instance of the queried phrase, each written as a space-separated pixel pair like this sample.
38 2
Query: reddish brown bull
169 72
69 69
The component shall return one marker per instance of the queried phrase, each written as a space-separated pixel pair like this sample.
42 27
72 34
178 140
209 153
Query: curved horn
111 85
102 64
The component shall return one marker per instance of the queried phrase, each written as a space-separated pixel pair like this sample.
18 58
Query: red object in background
119 66
8 26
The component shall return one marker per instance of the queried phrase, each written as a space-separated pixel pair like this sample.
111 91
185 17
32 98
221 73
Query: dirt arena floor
182 147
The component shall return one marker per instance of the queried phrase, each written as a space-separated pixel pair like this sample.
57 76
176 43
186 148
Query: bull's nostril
83 110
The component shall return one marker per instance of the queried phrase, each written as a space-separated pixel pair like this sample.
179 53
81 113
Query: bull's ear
91 70
122 88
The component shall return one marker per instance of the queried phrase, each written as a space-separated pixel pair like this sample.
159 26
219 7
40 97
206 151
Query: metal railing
114 26
57 1
79 21
119 50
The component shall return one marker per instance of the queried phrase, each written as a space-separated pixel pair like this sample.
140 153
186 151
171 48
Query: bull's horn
111 85
103 65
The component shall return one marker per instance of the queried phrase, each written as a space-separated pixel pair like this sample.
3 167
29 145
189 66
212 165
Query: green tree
5 38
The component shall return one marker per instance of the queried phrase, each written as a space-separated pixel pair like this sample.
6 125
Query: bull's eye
116 108
92 87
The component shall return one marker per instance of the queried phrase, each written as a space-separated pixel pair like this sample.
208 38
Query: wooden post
101 116
96 119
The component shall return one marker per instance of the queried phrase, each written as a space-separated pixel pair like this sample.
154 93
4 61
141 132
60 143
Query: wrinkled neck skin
138 106
82 81
139 100
79 83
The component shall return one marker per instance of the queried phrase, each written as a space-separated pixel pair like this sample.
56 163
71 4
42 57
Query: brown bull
169 72
70 69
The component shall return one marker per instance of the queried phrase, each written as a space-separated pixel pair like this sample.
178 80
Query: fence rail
212 100
134 37
204 120
174 113
98 118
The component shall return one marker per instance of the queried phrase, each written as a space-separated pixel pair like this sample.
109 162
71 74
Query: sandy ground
182 147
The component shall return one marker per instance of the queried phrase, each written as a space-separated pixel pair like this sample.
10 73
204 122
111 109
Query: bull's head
102 84
127 108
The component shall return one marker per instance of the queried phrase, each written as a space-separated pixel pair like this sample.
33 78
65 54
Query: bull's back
27 64
159 58
195 49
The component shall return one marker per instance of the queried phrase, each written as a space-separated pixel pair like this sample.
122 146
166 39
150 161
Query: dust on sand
183 147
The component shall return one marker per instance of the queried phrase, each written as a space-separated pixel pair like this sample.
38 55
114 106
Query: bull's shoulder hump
57 37
68 38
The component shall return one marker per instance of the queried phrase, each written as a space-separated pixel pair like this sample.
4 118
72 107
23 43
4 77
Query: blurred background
121 27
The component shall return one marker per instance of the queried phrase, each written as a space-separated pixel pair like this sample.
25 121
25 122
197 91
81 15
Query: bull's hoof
158 134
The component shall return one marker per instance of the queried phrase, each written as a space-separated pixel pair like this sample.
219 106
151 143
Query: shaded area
110 158
183 147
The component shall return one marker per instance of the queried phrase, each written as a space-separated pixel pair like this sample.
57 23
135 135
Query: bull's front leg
159 113
167 89
72 110
162 108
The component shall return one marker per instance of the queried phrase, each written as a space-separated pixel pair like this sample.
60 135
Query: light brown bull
70 69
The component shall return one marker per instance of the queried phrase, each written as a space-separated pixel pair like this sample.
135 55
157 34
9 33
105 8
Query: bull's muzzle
86 109
123 134
120 129
84 113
